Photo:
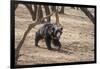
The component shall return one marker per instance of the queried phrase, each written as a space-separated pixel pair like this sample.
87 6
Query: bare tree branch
85 10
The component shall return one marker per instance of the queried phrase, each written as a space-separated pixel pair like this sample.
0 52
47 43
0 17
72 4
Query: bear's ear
61 28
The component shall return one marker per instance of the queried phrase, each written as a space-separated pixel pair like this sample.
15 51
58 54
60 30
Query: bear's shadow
59 51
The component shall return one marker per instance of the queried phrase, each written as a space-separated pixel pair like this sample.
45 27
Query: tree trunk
33 13
57 17
62 10
47 10
39 13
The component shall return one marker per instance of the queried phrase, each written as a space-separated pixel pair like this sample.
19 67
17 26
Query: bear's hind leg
37 38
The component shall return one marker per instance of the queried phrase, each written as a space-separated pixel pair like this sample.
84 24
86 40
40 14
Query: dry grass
77 39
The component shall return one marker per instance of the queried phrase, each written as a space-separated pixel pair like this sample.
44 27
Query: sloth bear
51 33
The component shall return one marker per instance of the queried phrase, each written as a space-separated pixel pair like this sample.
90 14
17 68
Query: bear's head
57 32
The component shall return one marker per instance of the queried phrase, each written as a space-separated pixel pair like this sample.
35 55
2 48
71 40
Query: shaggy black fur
51 33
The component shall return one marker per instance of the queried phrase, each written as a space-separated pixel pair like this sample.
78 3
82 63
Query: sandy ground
77 39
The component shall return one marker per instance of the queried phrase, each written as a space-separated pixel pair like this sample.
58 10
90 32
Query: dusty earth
77 39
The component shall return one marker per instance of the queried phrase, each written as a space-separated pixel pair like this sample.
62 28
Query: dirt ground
77 39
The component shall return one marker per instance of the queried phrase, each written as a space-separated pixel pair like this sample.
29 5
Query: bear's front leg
48 43
57 43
